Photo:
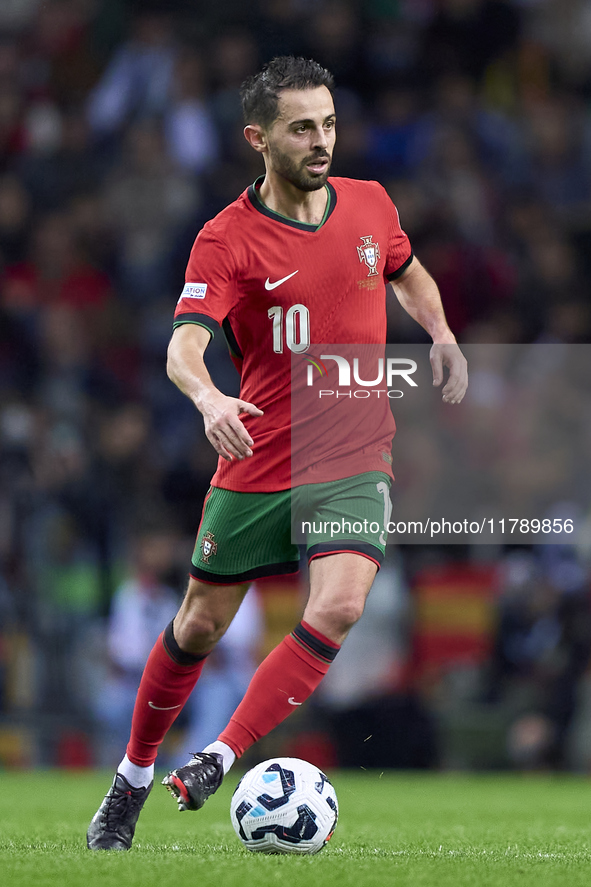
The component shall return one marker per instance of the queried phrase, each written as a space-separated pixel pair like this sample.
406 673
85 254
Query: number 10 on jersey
297 328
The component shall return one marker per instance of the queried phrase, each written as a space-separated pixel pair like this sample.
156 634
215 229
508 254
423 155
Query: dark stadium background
120 136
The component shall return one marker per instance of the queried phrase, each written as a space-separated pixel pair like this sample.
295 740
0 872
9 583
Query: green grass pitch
424 830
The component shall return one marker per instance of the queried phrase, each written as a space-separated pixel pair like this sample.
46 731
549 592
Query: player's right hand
223 428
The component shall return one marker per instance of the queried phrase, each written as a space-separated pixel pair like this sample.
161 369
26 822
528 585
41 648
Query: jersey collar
257 203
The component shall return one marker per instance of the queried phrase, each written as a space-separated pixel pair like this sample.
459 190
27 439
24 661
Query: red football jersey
278 287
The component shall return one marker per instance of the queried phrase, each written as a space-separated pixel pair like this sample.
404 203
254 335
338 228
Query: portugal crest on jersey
369 253
209 547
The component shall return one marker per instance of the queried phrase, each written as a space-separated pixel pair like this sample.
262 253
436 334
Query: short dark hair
260 93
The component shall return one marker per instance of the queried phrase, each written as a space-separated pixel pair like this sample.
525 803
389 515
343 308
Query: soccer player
298 258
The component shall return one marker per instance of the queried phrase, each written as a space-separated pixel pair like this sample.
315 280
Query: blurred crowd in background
120 135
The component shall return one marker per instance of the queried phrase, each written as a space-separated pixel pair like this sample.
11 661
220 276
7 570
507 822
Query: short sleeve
209 293
400 252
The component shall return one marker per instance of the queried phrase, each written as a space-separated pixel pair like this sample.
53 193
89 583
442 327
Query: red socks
168 679
285 679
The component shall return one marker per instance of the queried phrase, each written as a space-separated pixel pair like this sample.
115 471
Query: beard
296 173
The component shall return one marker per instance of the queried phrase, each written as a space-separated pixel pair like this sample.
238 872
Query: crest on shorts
369 253
209 547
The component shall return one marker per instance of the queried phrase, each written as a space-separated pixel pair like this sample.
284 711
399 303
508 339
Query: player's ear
255 136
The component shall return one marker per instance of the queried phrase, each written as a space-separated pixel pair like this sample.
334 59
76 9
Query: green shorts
246 536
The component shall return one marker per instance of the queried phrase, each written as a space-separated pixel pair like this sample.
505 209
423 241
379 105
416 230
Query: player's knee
339 615
196 630
349 613
204 616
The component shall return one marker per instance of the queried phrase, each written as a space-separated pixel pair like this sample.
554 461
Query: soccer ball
284 805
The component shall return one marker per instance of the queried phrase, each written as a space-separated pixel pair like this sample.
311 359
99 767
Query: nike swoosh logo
292 701
158 708
271 286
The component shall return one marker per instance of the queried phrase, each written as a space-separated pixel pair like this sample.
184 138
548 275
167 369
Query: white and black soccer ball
284 805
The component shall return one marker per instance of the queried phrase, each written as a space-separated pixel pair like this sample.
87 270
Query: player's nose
320 139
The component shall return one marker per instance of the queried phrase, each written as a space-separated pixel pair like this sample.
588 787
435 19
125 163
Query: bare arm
418 294
186 368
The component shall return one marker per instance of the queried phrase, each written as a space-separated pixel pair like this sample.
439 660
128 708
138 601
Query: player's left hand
451 357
